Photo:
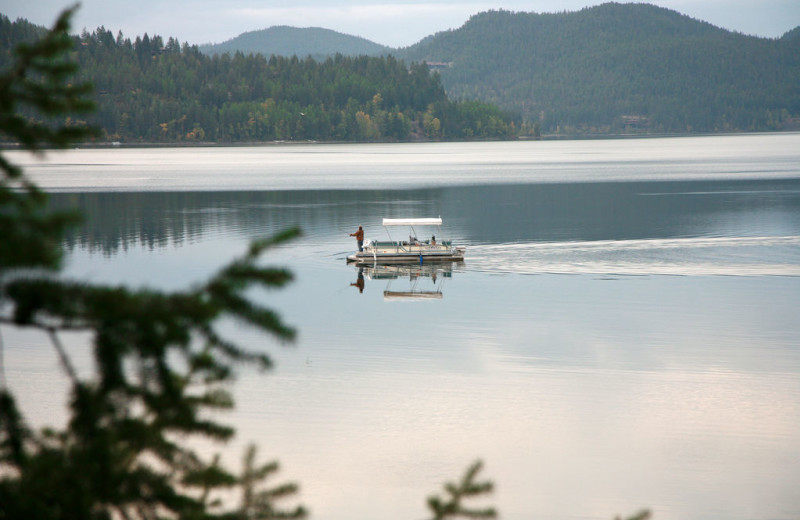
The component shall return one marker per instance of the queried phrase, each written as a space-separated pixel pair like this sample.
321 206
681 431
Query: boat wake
722 256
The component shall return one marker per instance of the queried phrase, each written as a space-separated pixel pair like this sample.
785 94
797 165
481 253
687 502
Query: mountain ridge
284 40
244 42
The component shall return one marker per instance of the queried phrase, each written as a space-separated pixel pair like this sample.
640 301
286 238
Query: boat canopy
412 221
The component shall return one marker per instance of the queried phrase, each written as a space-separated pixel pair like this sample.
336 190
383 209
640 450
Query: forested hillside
148 90
290 41
620 67
608 69
792 37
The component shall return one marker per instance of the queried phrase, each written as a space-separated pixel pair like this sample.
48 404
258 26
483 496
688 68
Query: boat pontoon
408 251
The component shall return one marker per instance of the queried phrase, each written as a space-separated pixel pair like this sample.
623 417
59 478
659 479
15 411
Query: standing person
360 238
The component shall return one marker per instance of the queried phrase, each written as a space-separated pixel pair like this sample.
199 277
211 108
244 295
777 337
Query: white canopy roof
412 221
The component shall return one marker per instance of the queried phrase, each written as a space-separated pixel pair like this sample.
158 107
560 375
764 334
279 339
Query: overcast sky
396 23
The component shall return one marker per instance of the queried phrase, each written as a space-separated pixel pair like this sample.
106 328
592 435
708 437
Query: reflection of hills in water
120 220
607 227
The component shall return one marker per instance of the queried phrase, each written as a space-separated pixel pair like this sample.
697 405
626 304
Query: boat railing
404 243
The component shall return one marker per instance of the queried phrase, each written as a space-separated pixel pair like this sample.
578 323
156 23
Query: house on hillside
438 65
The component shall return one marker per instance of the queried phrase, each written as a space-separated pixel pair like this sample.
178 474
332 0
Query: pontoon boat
413 250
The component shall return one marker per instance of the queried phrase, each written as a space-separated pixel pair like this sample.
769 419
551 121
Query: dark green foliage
176 94
34 90
159 363
128 417
451 506
35 95
259 503
619 68
292 41
155 91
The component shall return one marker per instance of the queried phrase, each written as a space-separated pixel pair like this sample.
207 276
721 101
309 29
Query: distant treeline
149 90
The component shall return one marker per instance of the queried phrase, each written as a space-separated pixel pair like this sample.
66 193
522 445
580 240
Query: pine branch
451 506
62 355
40 80
259 503
13 432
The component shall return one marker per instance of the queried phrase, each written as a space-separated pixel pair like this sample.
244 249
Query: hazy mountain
289 41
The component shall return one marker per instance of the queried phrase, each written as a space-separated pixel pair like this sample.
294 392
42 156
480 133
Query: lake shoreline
246 144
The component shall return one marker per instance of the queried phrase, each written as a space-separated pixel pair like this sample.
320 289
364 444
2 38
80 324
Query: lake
623 334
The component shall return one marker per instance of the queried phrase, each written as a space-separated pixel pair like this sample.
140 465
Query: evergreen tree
120 454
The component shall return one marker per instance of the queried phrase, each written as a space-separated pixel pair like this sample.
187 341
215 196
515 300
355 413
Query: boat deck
405 253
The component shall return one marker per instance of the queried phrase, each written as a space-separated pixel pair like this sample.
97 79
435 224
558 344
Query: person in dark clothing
360 238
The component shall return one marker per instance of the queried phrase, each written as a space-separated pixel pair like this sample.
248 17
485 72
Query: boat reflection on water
424 282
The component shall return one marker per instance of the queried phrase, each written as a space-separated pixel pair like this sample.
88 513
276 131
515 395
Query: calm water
623 333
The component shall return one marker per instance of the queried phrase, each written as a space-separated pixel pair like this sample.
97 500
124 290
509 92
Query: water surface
622 334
